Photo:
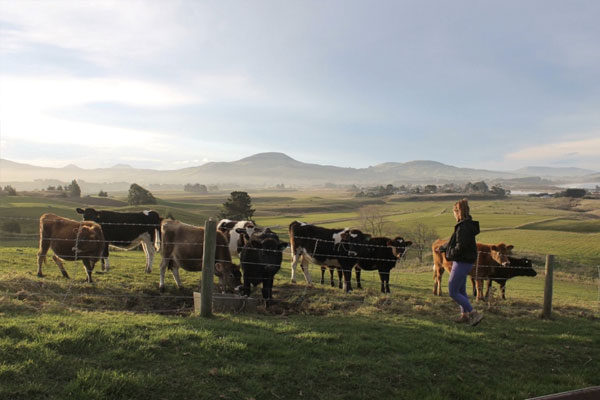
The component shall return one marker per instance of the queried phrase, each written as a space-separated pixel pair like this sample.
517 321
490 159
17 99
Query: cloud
581 150
105 32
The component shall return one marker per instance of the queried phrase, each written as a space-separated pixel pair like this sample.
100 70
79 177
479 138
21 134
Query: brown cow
70 241
487 254
183 247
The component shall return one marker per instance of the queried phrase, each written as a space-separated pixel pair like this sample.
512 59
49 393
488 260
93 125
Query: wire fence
369 279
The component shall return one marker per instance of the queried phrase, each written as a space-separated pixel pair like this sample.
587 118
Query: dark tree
139 195
238 206
197 188
102 193
74 189
9 190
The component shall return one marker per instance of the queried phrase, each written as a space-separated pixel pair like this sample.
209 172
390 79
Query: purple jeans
457 285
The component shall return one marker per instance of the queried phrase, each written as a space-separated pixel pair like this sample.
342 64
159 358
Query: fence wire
368 277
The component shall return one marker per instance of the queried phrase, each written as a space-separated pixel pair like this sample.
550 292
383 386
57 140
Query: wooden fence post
547 313
208 267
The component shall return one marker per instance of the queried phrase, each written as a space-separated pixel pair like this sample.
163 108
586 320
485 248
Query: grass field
120 338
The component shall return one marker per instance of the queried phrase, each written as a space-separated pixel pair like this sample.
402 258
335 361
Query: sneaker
475 318
462 319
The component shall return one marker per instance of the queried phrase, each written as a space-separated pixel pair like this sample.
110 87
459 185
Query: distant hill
268 169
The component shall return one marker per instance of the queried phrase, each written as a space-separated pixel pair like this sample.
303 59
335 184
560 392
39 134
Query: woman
461 249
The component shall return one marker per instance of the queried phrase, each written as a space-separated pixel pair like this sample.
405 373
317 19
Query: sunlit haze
172 84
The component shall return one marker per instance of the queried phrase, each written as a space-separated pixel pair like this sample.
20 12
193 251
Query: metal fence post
208 267
547 313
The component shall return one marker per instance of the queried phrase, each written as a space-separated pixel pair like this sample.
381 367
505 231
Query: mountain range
268 169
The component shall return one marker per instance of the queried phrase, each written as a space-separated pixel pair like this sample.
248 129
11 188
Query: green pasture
120 338
568 229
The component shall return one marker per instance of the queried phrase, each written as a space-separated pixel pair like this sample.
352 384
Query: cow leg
358 285
247 288
88 266
323 275
163 267
503 289
489 287
41 255
479 284
331 278
60 266
175 273
385 281
340 278
105 263
267 289
347 280
149 251
306 272
438 272
295 259
474 284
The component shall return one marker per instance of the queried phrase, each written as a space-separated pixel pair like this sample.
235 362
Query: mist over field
270 169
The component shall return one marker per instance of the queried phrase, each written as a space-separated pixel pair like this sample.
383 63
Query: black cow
381 254
260 259
127 230
336 248
500 274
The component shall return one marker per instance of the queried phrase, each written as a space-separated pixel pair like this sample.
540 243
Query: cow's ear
282 246
240 230
494 247
218 269
510 247
79 210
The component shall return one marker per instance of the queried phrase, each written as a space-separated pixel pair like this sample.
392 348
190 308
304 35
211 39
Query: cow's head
87 239
89 214
230 276
269 249
399 246
525 266
500 252
352 241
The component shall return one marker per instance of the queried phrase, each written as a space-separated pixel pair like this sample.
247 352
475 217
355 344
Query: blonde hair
461 208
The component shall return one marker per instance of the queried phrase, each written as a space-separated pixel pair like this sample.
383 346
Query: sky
173 84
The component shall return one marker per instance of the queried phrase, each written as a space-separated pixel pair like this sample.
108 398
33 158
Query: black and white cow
127 230
322 246
260 260
231 231
381 254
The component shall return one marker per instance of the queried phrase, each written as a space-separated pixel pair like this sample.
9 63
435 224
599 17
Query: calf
231 230
70 241
127 230
336 248
183 247
500 274
381 254
261 259
487 254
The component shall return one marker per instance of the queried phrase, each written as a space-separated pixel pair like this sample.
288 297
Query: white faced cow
127 230
231 231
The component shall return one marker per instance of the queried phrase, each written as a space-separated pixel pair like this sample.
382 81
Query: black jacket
462 246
